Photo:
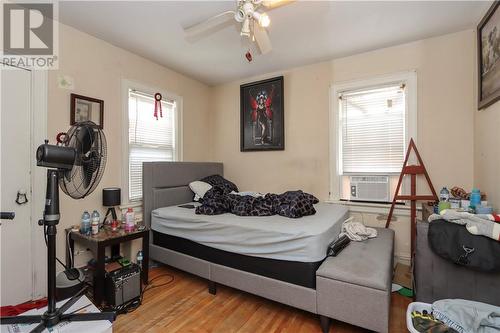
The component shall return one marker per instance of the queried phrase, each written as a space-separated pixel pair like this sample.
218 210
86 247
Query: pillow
221 182
199 188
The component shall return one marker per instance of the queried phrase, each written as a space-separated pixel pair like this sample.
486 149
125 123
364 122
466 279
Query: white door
15 256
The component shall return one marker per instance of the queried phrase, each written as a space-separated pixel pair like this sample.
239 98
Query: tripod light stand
63 161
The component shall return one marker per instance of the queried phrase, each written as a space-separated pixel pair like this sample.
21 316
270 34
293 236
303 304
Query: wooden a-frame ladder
413 171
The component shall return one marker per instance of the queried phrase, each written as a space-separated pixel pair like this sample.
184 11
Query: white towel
357 231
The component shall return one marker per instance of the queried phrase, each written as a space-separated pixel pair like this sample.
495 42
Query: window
149 139
373 131
373 122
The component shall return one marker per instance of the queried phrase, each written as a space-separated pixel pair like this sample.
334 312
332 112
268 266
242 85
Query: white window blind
149 139
373 130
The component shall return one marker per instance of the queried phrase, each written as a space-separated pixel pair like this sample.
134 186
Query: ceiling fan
253 21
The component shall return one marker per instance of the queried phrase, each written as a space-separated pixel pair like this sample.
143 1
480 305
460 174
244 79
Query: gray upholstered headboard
166 183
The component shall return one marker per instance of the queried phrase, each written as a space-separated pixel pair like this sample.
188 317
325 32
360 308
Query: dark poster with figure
262 115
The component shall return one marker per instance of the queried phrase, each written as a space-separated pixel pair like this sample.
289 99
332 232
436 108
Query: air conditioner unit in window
370 188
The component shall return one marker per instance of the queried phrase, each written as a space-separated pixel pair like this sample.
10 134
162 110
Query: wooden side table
98 243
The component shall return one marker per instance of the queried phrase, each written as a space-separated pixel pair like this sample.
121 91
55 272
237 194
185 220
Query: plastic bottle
85 225
444 195
140 257
129 220
96 218
475 198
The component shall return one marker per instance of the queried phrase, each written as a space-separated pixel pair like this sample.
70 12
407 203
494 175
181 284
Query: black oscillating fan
89 142
76 165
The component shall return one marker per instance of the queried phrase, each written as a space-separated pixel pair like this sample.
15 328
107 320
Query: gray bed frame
340 284
166 184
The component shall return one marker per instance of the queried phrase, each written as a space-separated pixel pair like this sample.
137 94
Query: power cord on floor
152 286
58 260
46 244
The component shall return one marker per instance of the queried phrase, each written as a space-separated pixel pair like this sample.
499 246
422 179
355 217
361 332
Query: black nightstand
98 243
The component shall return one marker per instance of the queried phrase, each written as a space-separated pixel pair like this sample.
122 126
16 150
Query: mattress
296 272
274 237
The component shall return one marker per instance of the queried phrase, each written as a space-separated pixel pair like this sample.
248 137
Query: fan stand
53 315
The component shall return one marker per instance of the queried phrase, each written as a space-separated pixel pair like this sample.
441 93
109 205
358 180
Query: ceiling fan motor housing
248 9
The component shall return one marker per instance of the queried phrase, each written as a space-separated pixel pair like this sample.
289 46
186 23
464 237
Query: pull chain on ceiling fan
253 22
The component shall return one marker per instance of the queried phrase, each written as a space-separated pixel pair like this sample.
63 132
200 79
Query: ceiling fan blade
209 24
262 39
272 4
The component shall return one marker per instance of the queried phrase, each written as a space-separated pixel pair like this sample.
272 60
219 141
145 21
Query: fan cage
89 142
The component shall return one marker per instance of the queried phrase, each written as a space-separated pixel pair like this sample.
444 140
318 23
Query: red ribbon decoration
158 106
61 138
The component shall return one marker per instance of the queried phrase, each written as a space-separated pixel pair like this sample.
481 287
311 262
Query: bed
274 257
286 249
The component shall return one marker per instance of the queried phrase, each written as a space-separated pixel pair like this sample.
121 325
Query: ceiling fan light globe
264 20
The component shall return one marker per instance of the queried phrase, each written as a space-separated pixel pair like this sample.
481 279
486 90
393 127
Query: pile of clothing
221 196
469 240
477 224
357 231
458 315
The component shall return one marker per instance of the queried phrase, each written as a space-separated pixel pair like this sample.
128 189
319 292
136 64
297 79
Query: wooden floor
184 305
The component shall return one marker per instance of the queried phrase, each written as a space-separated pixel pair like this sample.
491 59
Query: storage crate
415 306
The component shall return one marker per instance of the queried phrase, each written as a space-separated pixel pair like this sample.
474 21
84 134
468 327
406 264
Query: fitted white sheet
304 239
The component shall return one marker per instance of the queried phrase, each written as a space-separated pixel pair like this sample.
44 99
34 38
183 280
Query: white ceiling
302 32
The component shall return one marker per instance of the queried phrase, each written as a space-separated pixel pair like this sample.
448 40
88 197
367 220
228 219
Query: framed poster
262 121
85 108
488 43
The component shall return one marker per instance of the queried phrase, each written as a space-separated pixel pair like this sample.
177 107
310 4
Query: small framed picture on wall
262 120
85 108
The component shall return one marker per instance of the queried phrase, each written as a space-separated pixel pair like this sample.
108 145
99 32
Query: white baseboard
403 258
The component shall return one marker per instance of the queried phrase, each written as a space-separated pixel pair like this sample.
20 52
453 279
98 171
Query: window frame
128 85
409 78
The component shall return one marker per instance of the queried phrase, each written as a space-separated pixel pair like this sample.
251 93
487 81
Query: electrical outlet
79 252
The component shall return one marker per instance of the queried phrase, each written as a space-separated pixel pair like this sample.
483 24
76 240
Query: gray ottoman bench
355 286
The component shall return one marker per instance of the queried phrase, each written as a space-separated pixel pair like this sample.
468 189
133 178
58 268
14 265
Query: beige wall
444 67
445 73
98 69
304 162
487 153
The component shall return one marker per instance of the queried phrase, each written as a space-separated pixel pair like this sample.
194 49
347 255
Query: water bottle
129 220
140 257
96 218
444 195
475 198
85 225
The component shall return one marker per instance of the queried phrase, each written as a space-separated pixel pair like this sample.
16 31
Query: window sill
136 206
132 204
376 208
